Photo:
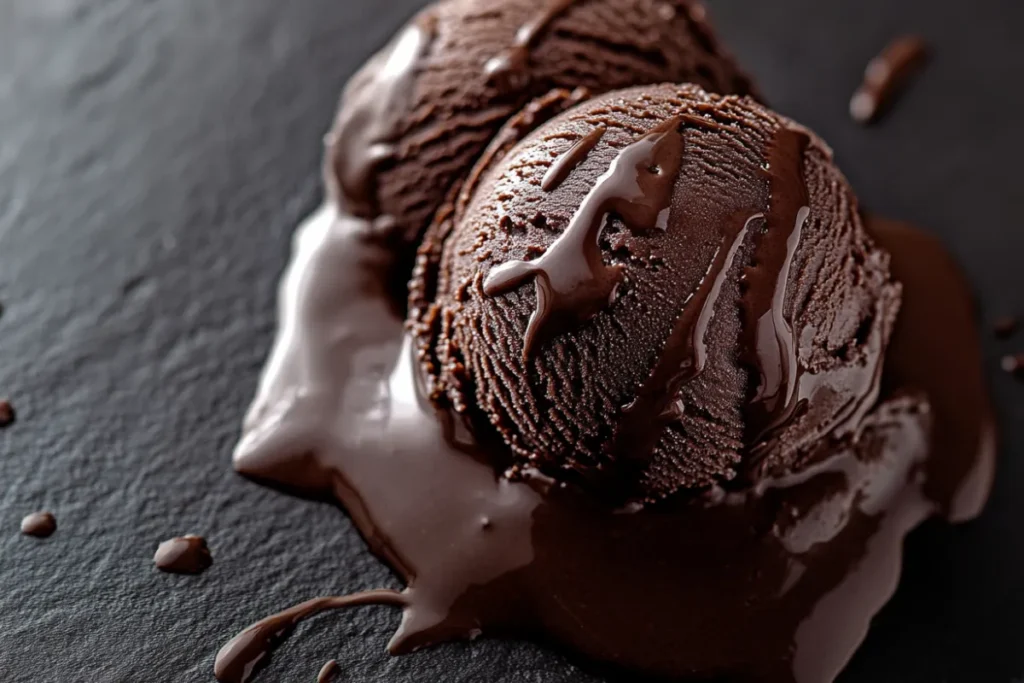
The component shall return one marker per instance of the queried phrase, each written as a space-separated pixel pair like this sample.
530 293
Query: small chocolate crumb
39 524
7 414
184 555
1014 364
886 75
1005 326
327 672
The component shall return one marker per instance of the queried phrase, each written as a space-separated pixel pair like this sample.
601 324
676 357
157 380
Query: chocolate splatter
886 75
184 555
328 672
39 524
7 414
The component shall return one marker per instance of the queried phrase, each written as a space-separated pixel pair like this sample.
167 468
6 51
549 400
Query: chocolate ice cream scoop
415 119
662 289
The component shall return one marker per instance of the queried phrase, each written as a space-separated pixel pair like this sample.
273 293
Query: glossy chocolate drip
243 656
769 344
567 163
779 581
39 524
510 69
573 283
184 555
885 75
374 109
328 672
683 357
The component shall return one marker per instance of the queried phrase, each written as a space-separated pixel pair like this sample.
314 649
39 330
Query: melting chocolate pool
778 582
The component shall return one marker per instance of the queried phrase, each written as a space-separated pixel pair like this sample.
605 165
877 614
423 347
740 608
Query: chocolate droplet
39 524
184 555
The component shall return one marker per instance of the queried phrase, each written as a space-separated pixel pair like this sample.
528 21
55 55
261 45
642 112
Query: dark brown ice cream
415 119
696 299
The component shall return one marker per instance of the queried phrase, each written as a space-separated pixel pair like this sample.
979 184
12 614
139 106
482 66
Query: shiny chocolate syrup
779 581
567 163
184 555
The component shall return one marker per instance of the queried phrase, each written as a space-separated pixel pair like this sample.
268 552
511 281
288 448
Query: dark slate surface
154 158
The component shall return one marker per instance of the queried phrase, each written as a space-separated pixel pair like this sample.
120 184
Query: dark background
155 156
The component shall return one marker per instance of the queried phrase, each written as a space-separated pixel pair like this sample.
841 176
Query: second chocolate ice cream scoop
658 291
415 118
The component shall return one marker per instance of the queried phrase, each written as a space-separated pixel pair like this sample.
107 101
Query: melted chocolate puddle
777 583
937 302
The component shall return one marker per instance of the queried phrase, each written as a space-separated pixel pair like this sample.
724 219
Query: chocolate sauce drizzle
509 69
779 581
683 358
769 345
573 283
243 656
375 105
885 75
567 163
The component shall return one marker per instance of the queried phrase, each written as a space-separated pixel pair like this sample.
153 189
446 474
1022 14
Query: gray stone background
155 156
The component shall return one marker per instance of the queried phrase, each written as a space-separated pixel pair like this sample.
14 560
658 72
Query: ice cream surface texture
696 300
